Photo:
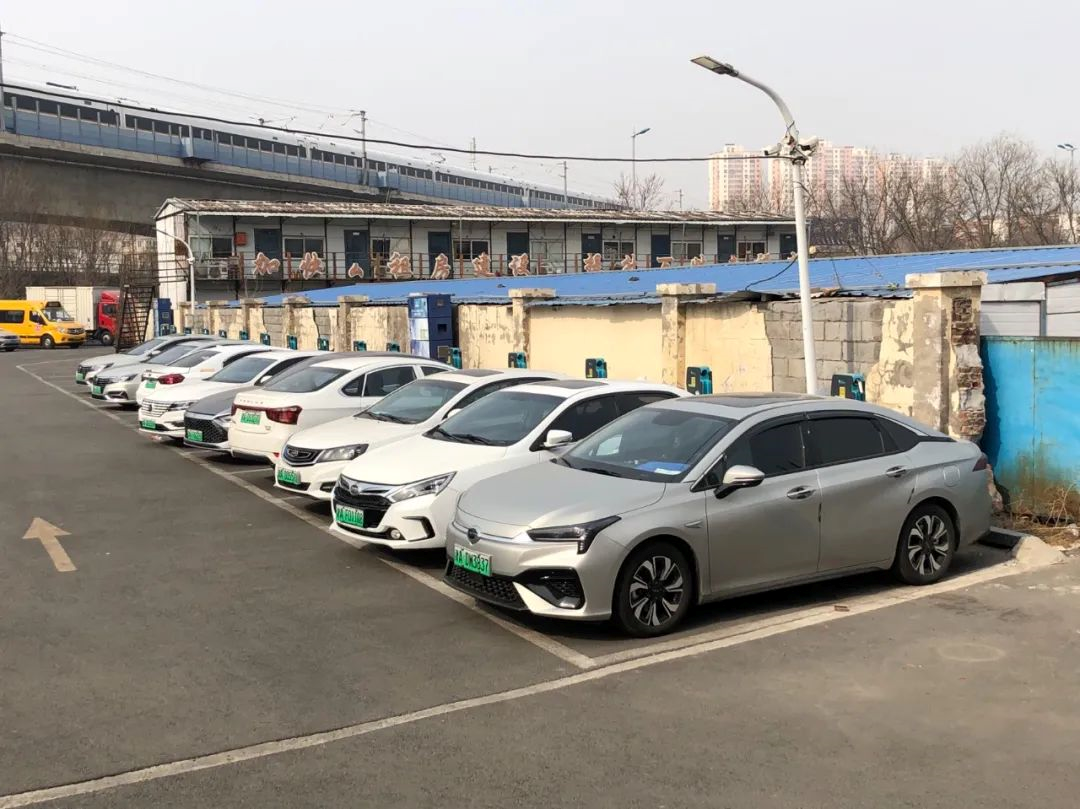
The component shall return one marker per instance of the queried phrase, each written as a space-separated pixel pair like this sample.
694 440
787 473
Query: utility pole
363 145
472 148
680 199
2 74
565 196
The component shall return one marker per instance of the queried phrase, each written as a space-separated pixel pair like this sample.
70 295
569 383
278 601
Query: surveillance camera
772 151
809 144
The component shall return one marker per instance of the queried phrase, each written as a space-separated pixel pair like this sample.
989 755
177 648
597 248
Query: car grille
155 409
298 456
212 433
496 589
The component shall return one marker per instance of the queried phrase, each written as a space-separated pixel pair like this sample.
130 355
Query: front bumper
70 339
408 524
118 392
544 578
10 342
205 432
170 423
316 480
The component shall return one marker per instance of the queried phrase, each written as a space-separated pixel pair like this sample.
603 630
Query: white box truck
96 308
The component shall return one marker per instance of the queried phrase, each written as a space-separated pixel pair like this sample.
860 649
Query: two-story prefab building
236 242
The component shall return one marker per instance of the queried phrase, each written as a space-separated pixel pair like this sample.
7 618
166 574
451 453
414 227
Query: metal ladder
136 302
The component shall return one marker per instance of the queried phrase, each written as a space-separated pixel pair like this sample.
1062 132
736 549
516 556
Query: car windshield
243 370
57 314
167 356
306 380
653 443
414 402
501 419
194 358
145 348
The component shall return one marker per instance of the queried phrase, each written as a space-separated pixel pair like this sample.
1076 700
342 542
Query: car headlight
419 488
343 453
582 533
127 378
181 405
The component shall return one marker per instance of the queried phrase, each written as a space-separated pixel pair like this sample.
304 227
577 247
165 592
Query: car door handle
800 493
896 471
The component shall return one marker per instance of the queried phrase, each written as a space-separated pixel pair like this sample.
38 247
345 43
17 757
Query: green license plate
250 418
471 560
80 377
96 390
349 516
150 384
146 424
290 476
193 435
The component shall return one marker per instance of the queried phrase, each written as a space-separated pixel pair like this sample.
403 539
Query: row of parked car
570 498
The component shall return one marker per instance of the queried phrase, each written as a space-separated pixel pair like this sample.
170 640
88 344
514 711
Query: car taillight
284 415
234 409
981 464
170 379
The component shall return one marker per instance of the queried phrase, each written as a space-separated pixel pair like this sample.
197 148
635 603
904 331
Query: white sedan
197 365
87 370
119 383
163 412
263 420
313 459
403 495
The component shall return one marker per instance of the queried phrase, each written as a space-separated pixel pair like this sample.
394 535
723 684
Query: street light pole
191 268
1068 147
791 148
633 164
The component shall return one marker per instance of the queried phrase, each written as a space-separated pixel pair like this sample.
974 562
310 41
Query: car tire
48 342
12 348
106 338
643 600
926 546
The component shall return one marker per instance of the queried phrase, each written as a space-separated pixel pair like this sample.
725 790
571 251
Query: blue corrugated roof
866 273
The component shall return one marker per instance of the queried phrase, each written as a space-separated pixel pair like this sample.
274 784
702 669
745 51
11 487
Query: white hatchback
403 495
313 459
197 365
263 420
163 412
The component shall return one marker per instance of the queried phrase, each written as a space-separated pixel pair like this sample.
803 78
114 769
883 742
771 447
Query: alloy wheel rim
656 590
928 544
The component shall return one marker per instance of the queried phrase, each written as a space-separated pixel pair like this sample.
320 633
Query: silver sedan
9 341
692 500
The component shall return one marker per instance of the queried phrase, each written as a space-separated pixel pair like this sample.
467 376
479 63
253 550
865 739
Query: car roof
474 376
366 358
583 388
236 348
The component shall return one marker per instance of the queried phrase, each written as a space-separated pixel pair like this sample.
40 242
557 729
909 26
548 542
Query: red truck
96 308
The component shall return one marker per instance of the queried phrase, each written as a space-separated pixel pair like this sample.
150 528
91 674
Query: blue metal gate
1032 434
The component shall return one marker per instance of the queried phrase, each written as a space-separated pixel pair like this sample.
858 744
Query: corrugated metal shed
857 275
456 213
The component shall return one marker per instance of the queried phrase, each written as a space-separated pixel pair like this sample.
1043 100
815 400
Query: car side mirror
263 380
557 438
453 412
739 476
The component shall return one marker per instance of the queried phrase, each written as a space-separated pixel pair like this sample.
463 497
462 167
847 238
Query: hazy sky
578 77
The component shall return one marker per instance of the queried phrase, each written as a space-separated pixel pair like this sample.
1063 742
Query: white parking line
543 642
807 618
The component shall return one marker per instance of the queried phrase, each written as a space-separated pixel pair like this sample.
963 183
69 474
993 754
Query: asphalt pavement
214 645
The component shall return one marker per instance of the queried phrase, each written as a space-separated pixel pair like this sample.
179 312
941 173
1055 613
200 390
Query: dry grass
1054 519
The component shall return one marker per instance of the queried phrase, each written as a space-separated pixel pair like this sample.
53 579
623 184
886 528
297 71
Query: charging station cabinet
849 386
596 368
222 333
393 347
244 335
359 345
264 338
516 359
451 355
699 380
206 331
291 342
323 344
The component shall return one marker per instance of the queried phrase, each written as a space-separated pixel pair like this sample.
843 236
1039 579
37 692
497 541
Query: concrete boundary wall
918 351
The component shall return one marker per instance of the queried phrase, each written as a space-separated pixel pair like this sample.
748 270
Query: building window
614 252
466 249
296 246
380 248
748 251
684 251
221 246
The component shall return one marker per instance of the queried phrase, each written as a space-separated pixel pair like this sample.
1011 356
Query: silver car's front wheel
653 590
927 545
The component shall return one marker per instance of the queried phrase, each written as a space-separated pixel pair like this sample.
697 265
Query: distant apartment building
757 183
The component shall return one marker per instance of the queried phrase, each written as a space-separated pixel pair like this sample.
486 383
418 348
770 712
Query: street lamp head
1068 147
721 68
641 131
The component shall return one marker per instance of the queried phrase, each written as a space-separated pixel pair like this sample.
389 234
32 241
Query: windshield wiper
380 417
597 470
472 438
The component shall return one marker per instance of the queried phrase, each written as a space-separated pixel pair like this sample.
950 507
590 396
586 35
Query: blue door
725 247
439 243
661 246
358 250
788 245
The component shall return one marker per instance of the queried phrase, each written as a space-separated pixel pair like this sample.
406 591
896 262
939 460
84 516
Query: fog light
395 534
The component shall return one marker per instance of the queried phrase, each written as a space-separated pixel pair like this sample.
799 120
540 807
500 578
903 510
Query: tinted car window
775 450
145 348
11 315
243 370
193 359
480 393
306 380
413 403
587 417
632 401
844 438
167 356
501 419
898 435
387 380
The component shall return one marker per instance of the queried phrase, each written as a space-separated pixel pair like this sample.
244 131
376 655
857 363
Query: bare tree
647 194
